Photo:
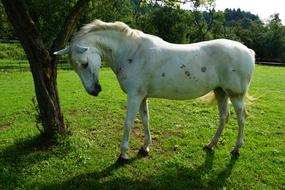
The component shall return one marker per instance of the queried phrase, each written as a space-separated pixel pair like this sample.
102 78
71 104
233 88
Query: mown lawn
86 159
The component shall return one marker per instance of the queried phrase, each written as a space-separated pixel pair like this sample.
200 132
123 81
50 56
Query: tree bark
42 63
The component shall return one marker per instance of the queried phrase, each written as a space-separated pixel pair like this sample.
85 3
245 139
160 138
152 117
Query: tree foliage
6 31
49 16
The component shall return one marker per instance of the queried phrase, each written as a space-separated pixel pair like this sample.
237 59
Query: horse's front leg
134 102
145 119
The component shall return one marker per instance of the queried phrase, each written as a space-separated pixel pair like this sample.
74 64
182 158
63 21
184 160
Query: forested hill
166 20
237 16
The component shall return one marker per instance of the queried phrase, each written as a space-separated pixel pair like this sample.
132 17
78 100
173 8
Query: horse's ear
81 49
62 52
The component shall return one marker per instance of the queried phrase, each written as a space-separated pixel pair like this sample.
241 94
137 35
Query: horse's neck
114 47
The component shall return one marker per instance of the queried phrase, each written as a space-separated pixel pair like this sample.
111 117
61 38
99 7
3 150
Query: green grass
12 51
23 65
86 159
13 58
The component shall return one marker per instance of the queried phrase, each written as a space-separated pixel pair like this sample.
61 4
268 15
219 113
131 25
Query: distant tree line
165 19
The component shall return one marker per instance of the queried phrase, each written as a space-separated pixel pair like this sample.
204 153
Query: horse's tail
210 98
252 53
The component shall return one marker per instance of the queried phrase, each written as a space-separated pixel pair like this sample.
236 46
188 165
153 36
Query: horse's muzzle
97 89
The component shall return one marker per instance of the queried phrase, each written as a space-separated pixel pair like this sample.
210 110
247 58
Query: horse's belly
174 95
180 89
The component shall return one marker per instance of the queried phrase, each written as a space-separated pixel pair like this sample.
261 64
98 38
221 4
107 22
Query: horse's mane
98 25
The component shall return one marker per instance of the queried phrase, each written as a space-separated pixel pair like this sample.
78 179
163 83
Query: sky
262 8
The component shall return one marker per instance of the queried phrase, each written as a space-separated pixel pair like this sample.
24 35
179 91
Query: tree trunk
42 64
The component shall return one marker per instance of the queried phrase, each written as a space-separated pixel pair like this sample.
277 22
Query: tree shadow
20 155
183 178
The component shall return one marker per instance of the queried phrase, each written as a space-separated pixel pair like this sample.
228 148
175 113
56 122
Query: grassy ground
13 58
12 51
8 65
86 159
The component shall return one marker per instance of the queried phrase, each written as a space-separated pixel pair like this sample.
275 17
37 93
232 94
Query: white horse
146 66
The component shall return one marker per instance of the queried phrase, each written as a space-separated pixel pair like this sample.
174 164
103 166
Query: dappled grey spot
187 73
182 66
204 69
119 70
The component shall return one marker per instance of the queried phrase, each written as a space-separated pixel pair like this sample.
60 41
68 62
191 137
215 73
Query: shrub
12 51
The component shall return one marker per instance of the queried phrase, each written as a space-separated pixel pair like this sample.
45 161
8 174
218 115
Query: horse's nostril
98 87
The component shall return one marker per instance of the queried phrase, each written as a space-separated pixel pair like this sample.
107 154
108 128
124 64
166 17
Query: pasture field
12 51
86 159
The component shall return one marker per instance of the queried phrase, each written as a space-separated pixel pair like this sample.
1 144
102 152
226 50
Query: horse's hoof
123 161
235 152
143 153
208 148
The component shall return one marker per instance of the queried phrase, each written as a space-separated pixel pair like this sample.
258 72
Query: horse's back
176 71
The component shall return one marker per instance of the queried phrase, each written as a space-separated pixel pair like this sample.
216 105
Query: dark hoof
123 161
143 153
208 149
235 153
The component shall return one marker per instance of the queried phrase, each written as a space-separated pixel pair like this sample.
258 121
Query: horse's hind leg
222 100
145 120
239 107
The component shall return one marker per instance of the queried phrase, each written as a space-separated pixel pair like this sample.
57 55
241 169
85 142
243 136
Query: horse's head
86 61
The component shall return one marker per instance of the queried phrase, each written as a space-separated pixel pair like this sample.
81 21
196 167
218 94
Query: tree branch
69 25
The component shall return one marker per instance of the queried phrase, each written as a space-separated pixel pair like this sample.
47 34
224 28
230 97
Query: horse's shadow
220 180
17 157
183 178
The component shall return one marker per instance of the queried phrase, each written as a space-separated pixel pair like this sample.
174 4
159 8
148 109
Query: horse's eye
84 65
